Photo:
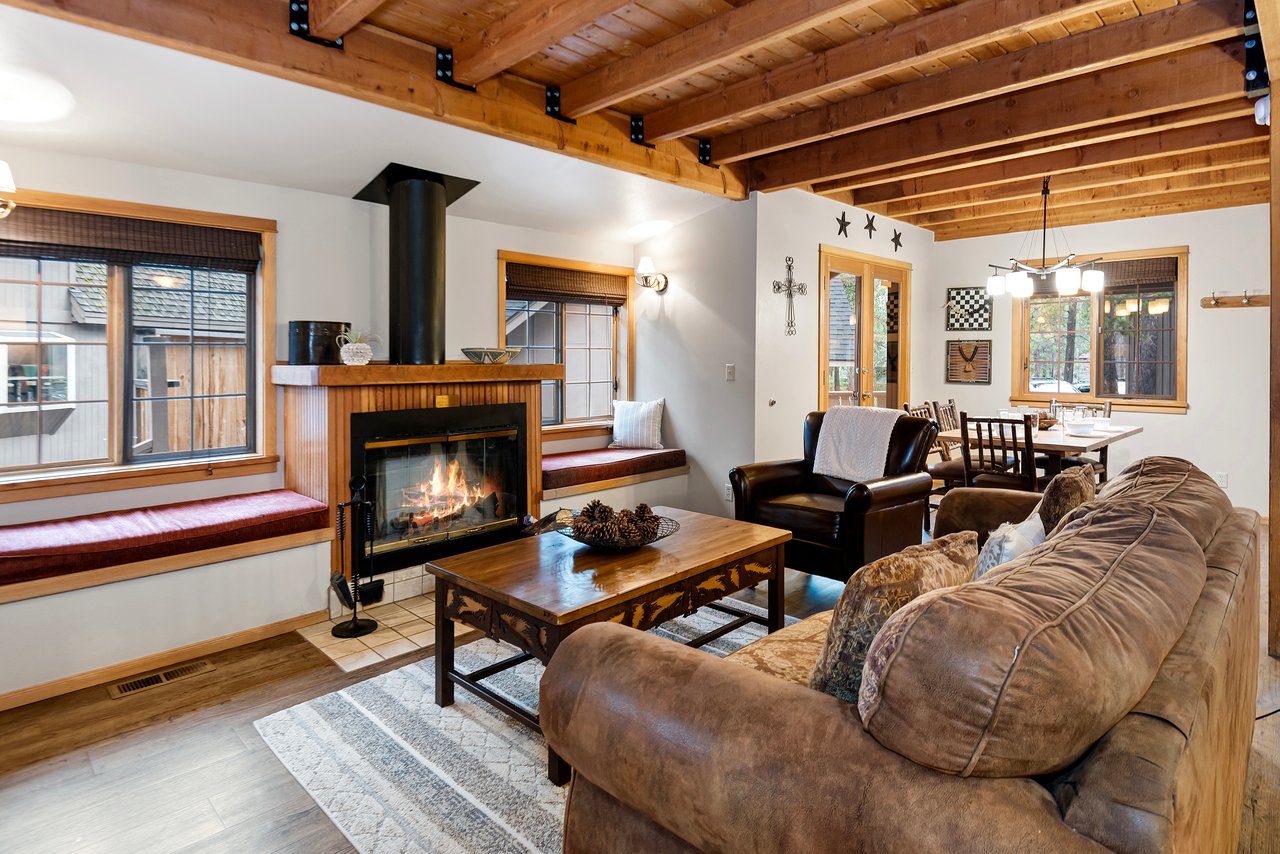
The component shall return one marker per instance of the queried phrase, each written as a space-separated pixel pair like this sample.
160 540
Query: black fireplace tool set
348 592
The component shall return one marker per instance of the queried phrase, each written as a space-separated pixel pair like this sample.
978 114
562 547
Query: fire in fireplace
441 480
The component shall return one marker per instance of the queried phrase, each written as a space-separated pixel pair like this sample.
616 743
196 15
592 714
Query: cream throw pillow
1010 541
637 424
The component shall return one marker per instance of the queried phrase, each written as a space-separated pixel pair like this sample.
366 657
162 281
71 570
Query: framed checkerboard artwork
969 362
968 310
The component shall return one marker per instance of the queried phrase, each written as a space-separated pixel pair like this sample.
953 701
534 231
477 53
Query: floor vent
158 678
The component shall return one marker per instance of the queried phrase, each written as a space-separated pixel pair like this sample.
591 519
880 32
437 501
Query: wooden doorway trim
869 267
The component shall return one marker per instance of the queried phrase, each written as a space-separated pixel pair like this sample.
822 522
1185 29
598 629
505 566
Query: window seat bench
40 558
579 472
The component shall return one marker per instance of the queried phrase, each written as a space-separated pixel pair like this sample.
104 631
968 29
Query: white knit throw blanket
854 442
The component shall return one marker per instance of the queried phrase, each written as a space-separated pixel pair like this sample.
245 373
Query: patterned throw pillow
1066 492
637 424
1010 541
874 593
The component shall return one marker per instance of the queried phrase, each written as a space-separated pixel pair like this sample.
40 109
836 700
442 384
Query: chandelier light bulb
1019 284
1092 281
1067 281
995 285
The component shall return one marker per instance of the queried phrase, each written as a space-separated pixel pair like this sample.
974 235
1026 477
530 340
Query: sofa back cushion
1181 490
1019 673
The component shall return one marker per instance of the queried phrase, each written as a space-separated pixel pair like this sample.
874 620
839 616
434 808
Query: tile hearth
403 627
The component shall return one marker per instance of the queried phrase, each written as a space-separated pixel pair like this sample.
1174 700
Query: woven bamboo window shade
31 232
1122 275
553 284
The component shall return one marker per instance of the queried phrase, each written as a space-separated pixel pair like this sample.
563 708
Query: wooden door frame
826 254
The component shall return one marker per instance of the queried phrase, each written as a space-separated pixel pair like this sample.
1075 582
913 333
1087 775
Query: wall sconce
647 276
6 186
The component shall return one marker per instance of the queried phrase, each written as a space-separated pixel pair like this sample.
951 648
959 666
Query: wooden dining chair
942 470
999 453
1098 463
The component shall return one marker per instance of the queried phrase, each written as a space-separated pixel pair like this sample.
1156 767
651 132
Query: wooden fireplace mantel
383 374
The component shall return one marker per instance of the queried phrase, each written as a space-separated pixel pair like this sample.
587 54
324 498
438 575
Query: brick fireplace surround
320 399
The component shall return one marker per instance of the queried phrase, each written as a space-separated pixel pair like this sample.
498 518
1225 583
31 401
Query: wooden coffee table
534 592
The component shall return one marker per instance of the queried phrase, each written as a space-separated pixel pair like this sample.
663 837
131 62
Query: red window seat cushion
578 467
47 549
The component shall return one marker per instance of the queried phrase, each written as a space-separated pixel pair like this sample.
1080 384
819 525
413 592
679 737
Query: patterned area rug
396 773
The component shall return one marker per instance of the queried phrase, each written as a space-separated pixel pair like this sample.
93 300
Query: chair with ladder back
999 453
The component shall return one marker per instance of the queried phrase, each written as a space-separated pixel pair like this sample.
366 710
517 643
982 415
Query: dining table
1055 442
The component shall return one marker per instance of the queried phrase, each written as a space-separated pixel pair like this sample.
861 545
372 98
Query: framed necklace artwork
969 361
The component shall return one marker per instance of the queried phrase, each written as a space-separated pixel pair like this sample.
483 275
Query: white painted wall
1225 427
82 630
686 336
794 223
331 265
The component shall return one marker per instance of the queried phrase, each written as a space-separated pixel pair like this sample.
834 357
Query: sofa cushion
1184 492
788 653
1010 541
874 593
812 516
1019 673
1066 492
62 546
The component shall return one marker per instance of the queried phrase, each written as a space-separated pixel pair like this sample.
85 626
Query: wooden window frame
826 254
1020 396
584 428
82 480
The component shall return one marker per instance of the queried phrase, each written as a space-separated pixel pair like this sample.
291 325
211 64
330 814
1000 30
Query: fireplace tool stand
349 592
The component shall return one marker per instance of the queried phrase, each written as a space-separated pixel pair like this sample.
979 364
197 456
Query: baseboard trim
113 672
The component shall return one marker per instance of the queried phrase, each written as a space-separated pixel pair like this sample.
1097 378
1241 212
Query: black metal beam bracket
300 24
1257 80
553 106
637 132
444 69
704 153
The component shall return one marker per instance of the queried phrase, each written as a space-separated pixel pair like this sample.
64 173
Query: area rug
396 773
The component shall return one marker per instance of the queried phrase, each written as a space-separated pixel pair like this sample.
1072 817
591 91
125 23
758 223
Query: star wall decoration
897 240
843 222
870 226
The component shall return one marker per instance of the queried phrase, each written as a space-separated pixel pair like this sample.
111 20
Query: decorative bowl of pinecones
600 526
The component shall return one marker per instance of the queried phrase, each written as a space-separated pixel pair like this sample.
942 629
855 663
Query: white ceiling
140 103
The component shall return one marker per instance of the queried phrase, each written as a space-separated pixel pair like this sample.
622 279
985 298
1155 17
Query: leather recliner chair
839 526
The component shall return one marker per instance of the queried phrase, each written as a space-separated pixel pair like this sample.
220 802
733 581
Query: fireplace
442 481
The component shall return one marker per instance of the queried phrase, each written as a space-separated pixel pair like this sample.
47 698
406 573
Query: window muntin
1138 342
1060 344
582 337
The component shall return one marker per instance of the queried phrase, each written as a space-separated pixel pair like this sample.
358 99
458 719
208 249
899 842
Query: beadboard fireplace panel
320 400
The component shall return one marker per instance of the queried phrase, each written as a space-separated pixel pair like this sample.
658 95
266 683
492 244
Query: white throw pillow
637 424
1010 541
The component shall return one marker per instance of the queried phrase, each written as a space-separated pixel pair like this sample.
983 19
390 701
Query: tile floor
402 627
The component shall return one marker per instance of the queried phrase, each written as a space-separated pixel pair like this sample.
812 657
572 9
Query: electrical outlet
730 373
1221 478
728 492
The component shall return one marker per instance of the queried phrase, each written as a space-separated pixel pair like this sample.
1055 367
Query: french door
864 339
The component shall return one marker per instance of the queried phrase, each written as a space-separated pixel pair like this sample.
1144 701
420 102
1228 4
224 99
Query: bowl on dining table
1080 428
1100 423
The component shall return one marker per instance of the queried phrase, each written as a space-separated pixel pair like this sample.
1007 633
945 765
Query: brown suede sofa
675 750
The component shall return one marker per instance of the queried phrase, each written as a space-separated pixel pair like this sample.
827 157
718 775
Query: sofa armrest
885 492
754 482
731 759
982 510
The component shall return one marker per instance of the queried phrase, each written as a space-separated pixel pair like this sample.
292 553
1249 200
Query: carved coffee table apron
536 591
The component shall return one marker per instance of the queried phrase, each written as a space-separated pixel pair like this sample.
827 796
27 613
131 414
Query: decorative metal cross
790 287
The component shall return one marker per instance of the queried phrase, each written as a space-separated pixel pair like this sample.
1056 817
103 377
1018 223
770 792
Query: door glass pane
843 339
886 329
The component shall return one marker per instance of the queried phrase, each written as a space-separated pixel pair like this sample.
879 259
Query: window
1126 344
565 313
125 342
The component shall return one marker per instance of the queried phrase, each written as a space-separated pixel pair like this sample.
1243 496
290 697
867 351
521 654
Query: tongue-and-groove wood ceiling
940 113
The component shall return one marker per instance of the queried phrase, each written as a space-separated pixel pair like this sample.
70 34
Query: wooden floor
181 768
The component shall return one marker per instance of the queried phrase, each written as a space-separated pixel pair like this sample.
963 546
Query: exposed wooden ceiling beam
918 41
714 40
1199 76
1061 202
1166 31
1110 211
1246 154
1209 126
333 19
527 29
971 24
392 71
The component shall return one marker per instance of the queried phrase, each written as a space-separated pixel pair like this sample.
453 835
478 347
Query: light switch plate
730 373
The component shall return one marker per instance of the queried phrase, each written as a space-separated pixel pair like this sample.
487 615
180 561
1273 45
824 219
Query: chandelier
1068 277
